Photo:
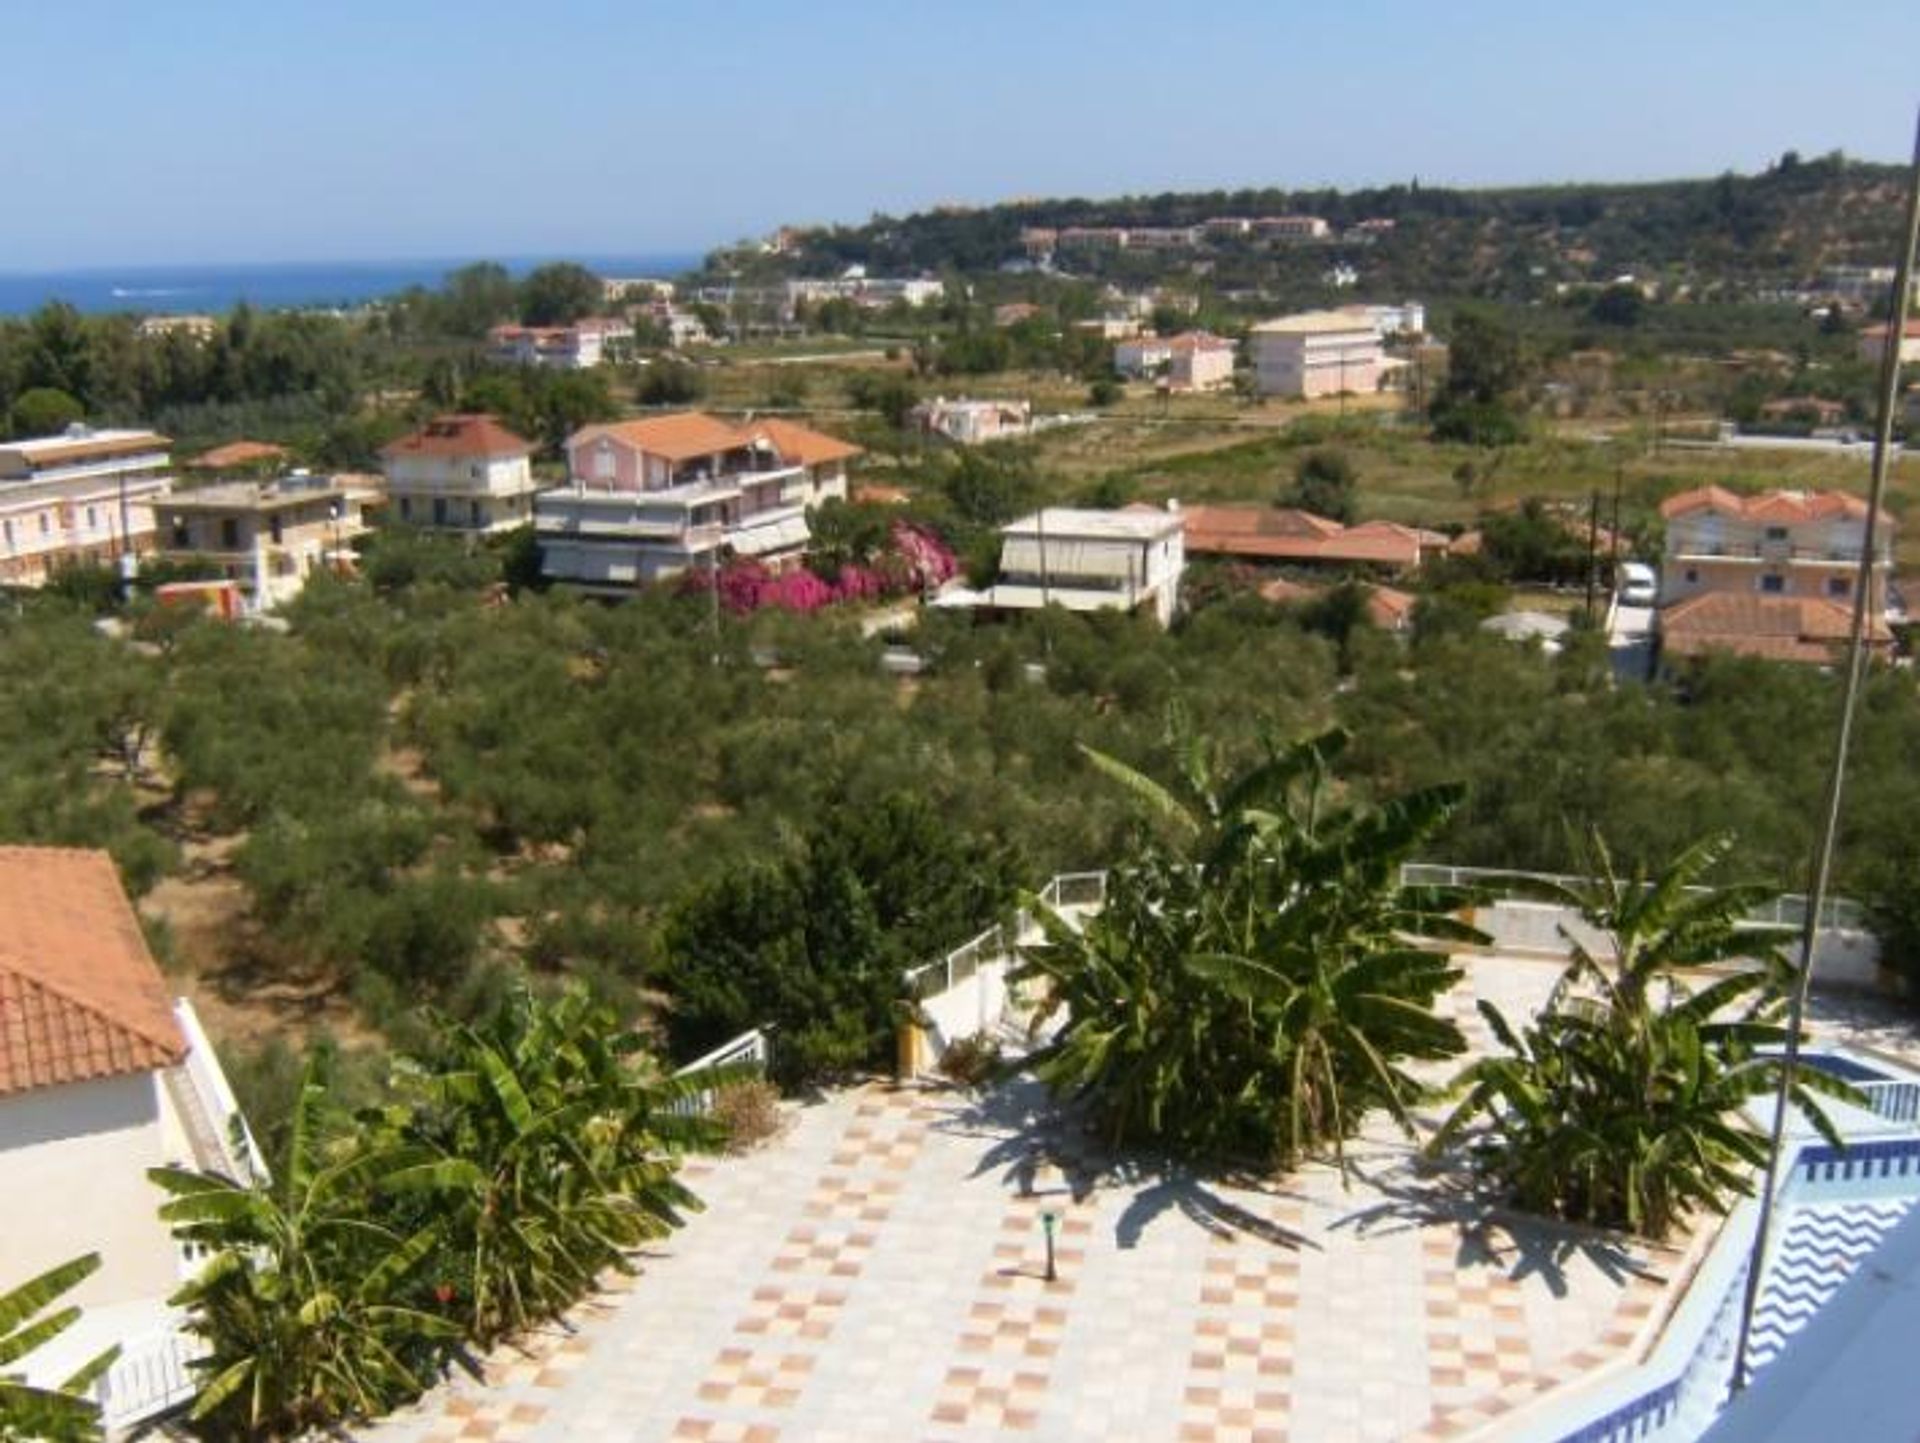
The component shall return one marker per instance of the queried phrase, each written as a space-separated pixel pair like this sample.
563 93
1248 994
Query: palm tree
1251 991
1622 1103
305 1299
547 1149
62 1414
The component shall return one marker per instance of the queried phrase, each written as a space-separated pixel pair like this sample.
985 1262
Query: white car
1636 584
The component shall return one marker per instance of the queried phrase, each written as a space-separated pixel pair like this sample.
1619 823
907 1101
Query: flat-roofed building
1087 560
81 498
268 537
1317 353
588 342
461 473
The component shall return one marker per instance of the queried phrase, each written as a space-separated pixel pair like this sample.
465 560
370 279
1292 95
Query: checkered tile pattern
1004 1397
709 1430
1240 1369
792 1317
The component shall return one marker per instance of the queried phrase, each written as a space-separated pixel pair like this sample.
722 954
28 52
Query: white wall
73 1162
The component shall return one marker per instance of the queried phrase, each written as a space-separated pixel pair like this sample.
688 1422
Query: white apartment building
101 1078
648 500
1317 353
461 473
81 498
586 343
1087 560
268 537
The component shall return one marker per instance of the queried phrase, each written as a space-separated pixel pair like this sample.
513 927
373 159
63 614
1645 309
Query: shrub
970 1061
749 1112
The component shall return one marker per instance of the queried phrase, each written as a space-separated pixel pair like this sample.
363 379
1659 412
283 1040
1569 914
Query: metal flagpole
1822 866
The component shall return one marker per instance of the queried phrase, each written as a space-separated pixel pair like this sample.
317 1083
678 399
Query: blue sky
265 130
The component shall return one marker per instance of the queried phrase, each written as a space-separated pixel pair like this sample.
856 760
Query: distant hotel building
1318 353
82 498
579 347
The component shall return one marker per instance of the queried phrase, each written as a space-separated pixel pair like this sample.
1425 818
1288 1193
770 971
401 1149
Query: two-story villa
649 499
1771 574
1087 560
462 473
81 498
101 1078
268 537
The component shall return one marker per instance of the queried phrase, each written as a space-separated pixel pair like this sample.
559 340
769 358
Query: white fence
212 1109
749 1049
966 992
152 1374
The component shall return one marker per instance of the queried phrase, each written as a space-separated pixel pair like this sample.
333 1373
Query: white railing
1072 893
1788 909
231 1136
749 1049
152 1374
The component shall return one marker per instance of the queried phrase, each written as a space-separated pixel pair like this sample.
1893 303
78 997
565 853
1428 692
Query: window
46 524
406 508
1773 585
92 521
1693 575
276 528
1838 586
439 511
229 534
9 530
181 538
475 517
1776 533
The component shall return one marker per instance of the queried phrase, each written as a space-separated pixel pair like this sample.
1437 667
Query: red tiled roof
237 453
1784 628
80 996
803 446
1387 608
678 437
459 435
1283 534
1778 506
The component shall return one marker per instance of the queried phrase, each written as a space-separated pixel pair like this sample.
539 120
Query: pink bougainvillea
915 560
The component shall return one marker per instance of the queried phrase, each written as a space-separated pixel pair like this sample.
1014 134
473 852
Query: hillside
1727 237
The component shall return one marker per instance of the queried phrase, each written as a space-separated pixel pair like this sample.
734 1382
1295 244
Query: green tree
547 1147
1623 1104
306 1301
1486 367
62 1414
1249 992
559 294
44 411
1324 482
475 298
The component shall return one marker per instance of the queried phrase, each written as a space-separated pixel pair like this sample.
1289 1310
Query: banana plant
308 1299
63 1413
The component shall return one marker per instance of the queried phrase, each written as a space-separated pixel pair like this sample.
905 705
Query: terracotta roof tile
804 446
1784 628
679 437
1283 534
459 435
80 996
1777 506
237 453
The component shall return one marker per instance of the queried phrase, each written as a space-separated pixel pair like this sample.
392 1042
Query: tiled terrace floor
876 1274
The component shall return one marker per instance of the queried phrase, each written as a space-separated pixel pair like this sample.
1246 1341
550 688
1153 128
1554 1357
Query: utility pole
1821 865
1593 547
1618 469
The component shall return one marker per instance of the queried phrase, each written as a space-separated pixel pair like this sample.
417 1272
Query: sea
174 290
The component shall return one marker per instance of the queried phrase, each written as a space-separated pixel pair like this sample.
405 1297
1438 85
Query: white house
1191 361
82 497
462 473
971 422
269 537
101 1078
1317 353
588 342
1085 560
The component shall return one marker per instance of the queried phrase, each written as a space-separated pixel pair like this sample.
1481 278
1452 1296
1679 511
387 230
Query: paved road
1631 640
